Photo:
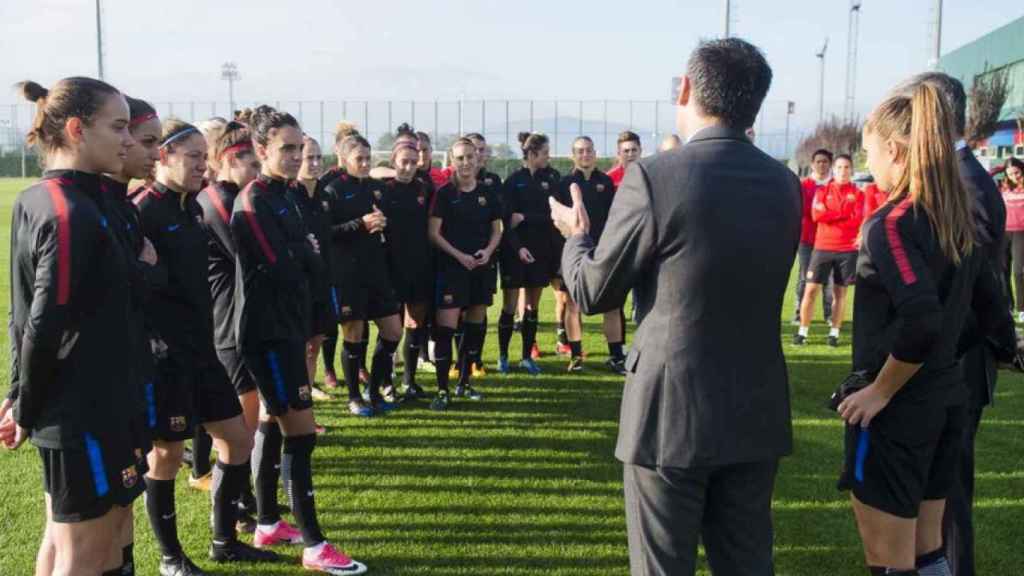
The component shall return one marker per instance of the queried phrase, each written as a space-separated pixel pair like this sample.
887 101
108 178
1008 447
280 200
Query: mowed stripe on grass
525 482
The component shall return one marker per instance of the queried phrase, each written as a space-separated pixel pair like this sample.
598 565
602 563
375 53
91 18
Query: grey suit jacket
707 234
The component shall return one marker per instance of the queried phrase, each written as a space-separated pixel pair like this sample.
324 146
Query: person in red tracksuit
874 198
838 210
821 175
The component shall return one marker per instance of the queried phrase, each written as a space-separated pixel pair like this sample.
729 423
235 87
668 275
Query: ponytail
920 124
75 97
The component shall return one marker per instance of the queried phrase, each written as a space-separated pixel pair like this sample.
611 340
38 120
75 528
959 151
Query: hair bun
523 137
32 91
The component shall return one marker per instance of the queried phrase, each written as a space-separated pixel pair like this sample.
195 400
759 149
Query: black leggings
1015 268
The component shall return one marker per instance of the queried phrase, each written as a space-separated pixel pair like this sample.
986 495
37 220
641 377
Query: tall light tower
728 19
99 41
850 110
229 72
937 37
821 80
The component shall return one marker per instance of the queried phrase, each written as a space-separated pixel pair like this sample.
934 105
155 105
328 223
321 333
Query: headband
143 118
236 148
178 136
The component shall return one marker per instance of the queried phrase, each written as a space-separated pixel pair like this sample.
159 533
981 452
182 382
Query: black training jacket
407 208
181 311
70 317
356 252
314 211
217 201
273 258
528 195
911 302
598 193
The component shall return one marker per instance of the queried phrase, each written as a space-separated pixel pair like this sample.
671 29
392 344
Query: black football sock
506 326
162 515
350 366
298 465
615 350
202 445
329 348
380 370
225 490
442 355
529 332
478 357
474 335
266 469
577 348
364 345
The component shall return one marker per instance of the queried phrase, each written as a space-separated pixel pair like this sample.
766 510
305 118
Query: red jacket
808 228
874 197
839 210
616 175
1014 199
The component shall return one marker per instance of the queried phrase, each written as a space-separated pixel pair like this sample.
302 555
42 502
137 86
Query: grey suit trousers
728 507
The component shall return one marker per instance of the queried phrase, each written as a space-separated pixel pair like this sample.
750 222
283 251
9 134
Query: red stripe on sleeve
896 243
60 209
254 225
218 204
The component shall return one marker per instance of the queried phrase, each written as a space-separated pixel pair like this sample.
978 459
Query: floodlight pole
99 41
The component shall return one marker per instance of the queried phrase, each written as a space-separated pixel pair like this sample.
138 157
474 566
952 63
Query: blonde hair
919 123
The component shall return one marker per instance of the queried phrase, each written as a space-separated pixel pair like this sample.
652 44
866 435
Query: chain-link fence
498 120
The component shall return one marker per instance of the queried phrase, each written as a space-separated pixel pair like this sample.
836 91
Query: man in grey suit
705 411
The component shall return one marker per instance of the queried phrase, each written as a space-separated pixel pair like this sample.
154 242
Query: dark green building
1001 49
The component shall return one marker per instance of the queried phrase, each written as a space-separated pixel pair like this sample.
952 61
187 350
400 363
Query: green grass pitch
525 483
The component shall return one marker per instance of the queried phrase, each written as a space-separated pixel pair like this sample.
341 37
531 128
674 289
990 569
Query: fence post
556 127
412 105
657 121
322 134
483 118
508 128
606 128
435 120
366 119
531 115
390 122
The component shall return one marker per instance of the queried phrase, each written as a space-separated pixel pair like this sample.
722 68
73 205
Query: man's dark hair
950 88
729 79
822 152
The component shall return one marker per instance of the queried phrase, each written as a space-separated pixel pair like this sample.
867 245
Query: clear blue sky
399 49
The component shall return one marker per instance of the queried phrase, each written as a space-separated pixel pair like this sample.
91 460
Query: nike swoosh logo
173 227
310 493
67 344
168 516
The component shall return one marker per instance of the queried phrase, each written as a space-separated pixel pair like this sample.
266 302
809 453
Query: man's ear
685 89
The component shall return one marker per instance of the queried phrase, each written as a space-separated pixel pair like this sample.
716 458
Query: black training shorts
909 454
840 266
233 363
458 287
279 369
86 481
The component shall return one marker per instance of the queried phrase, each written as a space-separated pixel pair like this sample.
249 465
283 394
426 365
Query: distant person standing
703 422
838 210
627 151
1013 196
821 175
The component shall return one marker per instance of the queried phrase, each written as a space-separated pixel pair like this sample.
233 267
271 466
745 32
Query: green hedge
10 166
